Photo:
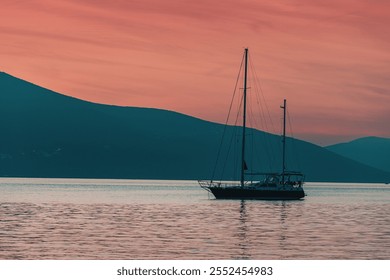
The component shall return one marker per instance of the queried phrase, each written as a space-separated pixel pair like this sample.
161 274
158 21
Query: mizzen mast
284 107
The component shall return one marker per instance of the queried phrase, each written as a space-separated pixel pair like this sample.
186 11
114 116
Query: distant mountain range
373 151
46 134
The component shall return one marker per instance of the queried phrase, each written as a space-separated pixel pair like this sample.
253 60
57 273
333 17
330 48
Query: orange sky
330 59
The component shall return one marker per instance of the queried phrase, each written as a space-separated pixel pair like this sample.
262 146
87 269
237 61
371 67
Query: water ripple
209 230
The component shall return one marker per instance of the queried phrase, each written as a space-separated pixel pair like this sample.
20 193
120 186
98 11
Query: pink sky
330 59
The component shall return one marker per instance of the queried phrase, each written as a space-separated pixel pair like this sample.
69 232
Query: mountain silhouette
46 134
373 151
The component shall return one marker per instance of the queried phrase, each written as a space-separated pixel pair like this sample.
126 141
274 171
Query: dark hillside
46 134
373 151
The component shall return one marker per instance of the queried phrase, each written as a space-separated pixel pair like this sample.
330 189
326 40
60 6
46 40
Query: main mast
244 122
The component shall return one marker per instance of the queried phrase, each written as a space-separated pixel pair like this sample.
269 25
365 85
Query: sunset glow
329 59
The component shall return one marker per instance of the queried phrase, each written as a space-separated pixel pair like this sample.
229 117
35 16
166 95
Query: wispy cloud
329 58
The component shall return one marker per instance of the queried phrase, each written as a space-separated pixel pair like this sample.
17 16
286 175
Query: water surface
134 219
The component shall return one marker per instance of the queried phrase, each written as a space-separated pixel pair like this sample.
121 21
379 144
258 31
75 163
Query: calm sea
133 219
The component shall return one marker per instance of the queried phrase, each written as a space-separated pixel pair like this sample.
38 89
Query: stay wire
227 118
293 140
268 146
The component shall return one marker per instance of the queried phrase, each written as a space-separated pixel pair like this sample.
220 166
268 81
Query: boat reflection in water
281 234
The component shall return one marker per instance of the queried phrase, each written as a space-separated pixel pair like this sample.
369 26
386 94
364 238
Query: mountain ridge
54 135
371 150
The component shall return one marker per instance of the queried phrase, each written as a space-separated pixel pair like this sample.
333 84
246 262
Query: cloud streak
329 59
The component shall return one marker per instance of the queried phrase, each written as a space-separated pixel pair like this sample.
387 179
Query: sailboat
283 185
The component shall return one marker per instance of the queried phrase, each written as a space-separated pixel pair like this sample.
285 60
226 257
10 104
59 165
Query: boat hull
258 194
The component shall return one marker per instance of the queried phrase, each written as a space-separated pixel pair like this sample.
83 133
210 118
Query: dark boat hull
258 194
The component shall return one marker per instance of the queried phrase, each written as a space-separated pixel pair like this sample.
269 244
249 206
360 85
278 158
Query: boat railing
207 184
223 184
